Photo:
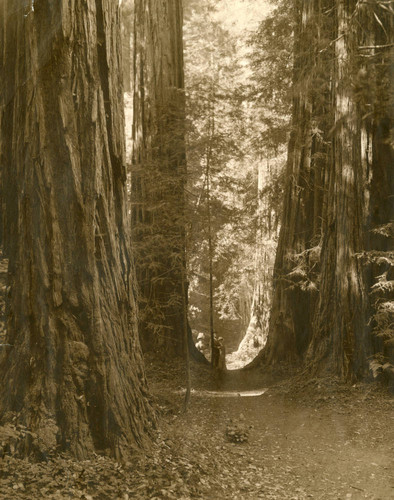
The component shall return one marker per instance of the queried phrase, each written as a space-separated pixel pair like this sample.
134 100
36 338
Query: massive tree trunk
73 373
361 188
326 246
341 331
377 92
158 172
298 250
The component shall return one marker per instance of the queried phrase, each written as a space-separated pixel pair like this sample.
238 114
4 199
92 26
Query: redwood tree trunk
127 15
158 172
295 269
257 329
342 340
338 192
74 374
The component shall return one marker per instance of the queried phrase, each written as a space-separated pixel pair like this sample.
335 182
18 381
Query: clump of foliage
382 303
14 437
304 274
237 431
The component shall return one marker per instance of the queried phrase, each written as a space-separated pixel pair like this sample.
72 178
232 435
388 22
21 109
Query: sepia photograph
196 249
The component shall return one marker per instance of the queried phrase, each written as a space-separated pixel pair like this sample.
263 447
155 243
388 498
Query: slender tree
217 170
73 374
127 8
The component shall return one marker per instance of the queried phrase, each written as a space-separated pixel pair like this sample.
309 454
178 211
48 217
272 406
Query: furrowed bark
74 374
159 174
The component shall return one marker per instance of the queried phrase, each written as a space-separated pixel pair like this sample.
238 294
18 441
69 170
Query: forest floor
302 439
308 438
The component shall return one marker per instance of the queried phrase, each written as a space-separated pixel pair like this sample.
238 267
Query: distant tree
234 129
269 94
159 172
256 331
158 176
270 89
73 374
216 129
127 13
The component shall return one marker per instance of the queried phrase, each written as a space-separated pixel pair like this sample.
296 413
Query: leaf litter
300 439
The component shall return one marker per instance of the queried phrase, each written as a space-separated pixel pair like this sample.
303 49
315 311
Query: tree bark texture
158 172
257 329
341 331
127 15
299 239
74 374
339 187
377 150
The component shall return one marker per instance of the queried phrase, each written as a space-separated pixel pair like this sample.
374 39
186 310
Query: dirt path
294 451
317 440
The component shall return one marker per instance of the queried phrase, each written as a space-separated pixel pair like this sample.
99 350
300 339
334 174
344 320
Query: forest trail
293 451
317 440
312 439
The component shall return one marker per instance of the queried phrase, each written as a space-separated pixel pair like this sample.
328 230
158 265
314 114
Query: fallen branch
357 488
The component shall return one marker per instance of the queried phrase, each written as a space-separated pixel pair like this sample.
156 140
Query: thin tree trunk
210 258
186 343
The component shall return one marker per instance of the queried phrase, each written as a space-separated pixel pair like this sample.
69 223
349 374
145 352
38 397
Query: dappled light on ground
227 394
